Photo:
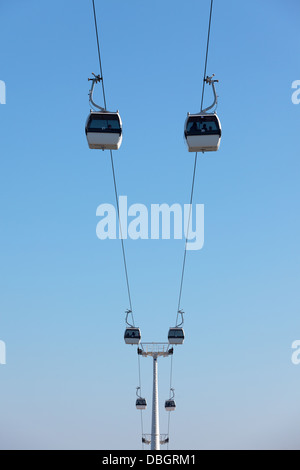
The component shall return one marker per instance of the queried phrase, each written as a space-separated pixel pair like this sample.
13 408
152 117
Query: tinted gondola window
99 123
141 402
170 404
176 334
202 125
132 334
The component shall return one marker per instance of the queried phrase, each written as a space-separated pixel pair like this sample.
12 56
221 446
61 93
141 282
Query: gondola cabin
104 130
141 403
132 336
170 405
176 335
203 132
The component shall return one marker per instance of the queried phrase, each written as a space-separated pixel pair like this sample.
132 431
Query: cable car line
202 133
205 81
207 49
99 118
104 131
170 405
121 234
187 234
203 130
99 53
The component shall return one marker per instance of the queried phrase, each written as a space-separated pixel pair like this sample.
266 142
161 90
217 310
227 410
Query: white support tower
155 434
155 350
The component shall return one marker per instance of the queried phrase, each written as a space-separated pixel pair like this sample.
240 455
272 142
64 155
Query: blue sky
70 380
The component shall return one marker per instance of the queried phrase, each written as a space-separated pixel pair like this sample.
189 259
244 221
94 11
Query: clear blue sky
70 380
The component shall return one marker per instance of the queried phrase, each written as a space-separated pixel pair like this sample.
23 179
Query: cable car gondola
103 128
170 404
141 403
176 335
203 130
132 334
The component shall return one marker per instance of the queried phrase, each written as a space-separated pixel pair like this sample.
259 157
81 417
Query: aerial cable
169 414
112 162
100 78
187 234
129 311
179 311
207 49
121 233
99 53
195 163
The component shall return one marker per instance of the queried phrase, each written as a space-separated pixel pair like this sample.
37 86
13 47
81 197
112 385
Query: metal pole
155 434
